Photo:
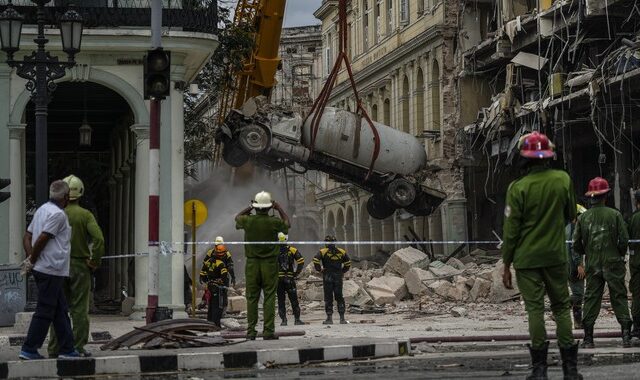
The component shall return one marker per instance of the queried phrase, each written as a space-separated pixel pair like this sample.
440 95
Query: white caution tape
165 247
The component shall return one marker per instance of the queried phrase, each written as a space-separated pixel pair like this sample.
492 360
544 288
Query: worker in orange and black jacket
215 274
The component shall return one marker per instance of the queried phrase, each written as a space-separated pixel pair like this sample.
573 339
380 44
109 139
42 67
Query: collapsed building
570 69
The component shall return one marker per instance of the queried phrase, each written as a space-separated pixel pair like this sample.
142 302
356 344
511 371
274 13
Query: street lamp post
41 70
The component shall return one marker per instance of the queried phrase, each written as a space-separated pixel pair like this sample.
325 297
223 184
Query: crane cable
321 102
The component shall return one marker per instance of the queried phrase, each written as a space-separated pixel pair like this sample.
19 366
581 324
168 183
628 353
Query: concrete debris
314 305
406 258
350 291
313 292
456 263
396 285
459 312
237 304
480 289
382 296
498 292
441 287
231 324
417 280
442 270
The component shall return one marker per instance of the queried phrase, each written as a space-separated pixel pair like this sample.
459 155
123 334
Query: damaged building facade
570 69
403 60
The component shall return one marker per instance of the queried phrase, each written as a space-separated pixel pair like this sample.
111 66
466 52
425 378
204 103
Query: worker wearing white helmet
261 269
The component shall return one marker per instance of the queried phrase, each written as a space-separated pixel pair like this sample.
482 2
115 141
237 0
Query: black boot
626 334
569 357
284 322
328 321
588 337
577 317
538 362
342 320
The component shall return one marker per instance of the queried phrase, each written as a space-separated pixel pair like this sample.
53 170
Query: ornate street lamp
41 70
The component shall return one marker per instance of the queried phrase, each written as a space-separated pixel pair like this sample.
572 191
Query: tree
201 116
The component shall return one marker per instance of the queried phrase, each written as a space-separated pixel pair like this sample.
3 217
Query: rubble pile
409 280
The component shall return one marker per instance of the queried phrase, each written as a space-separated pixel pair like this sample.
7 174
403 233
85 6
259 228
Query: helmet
282 237
598 186
220 248
330 238
580 208
536 145
76 187
262 200
219 240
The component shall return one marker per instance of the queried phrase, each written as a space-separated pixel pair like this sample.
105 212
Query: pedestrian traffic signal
157 72
4 195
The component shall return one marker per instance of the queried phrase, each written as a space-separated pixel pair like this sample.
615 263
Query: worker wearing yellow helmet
288 258
576 274
87 249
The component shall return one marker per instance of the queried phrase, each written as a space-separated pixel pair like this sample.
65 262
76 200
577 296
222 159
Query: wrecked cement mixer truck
343 147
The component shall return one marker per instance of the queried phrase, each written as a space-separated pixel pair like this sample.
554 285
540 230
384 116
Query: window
389 17
421 7
328 54
311 49
376 21
404 12
365 25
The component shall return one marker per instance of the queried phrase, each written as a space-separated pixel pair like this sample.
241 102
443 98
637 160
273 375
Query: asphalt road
616 367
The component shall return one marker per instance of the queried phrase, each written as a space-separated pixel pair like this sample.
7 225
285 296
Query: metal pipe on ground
242 335
502 338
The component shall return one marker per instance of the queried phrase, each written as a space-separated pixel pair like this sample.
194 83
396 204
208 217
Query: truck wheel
379 208
254 139
234 155
401 192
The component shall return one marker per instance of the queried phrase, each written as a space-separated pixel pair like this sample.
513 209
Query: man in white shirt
47 245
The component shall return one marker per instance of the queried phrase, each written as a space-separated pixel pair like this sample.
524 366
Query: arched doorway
331 224
420 101
106 165
406 98
349 228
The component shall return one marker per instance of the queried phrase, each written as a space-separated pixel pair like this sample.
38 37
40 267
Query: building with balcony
402 52
105 88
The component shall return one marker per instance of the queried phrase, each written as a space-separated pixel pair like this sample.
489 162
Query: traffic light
157 74
4 195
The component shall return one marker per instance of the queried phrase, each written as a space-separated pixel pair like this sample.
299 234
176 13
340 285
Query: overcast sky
300 12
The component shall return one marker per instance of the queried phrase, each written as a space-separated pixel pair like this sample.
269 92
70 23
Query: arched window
405 105
435 97
420 102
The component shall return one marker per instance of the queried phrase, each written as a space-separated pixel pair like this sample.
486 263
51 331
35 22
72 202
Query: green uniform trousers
77 291
533 284
261 275
611 273
634 286
576 285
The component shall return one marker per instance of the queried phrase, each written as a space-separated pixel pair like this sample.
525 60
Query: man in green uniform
634 267
85 259
601 235
576 280
261 269
288 258
332 262
538 207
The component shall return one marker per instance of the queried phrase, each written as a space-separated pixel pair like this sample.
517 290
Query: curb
134 364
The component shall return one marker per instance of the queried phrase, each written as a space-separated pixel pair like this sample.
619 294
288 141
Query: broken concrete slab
382 296
441 287
350 290
458 292
126 308
396 285
459 265
417 280
237 304
442 270
498 292
480 289
459 311
406 258
312 292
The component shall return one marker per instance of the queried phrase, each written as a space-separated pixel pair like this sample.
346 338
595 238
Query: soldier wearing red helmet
538 206
601 236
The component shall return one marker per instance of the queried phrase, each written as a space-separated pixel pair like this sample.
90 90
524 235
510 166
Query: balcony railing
186 15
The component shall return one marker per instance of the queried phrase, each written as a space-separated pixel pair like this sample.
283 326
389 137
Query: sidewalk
367 336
